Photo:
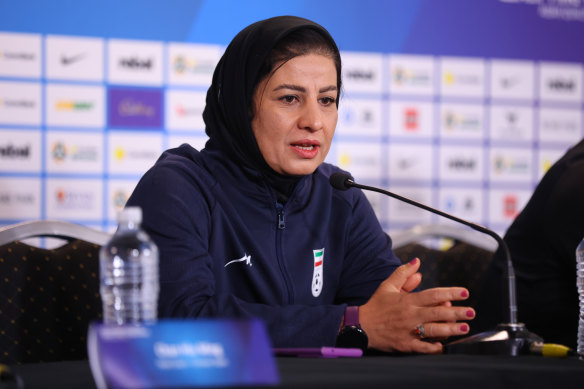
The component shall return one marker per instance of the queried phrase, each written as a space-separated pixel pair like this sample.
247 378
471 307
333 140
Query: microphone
509 338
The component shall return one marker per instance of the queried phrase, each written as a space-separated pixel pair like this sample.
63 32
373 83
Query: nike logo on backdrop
246 258
71 59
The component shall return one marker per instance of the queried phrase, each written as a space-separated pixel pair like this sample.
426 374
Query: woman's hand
392 314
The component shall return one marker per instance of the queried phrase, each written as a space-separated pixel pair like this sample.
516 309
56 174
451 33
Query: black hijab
230 95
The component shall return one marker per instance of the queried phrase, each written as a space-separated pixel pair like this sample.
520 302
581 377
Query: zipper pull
281 222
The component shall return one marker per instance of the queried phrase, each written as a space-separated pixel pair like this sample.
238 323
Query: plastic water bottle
129 273
580 286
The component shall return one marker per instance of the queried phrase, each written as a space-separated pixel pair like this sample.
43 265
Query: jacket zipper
280 227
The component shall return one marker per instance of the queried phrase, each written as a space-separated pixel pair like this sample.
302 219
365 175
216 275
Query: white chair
51 228
423 232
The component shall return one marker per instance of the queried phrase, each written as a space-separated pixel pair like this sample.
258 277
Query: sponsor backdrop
459 104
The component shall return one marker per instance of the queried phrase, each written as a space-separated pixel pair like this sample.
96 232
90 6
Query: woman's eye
328 100
288 98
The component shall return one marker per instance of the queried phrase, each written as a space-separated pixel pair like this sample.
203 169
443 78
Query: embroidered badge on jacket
317 278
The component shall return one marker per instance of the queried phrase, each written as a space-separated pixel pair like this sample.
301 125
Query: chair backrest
48 297
461 264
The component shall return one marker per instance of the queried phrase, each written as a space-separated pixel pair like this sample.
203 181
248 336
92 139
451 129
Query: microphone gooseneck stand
509 338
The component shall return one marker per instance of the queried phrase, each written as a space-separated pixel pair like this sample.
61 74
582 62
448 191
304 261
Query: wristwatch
352 335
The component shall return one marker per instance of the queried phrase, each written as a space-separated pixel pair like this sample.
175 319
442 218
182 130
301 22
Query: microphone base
505 339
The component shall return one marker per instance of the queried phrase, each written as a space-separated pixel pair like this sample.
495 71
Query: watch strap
351 316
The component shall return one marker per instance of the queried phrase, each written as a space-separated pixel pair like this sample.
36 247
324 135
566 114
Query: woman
250 226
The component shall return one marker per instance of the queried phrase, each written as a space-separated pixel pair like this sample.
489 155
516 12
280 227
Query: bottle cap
130 214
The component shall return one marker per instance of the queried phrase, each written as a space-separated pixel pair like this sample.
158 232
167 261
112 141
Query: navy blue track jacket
228 249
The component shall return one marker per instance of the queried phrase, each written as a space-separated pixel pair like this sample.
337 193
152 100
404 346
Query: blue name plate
181 353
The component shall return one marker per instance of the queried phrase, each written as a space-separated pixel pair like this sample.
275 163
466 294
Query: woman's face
296 114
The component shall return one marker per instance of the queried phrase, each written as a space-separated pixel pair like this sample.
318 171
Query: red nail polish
464 328
464 293
470 313
414 261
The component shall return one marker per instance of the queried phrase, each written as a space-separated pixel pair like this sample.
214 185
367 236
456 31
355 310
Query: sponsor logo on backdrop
185 111
74 58
120 197
561 82
67 60
411 119
12 151
136 63
512 79
191 64
362 159
70 199
510 165
352 117
73 105
362 72
360 75
10 103
20 55
405 163
410 76
464 205
23 56
182 64
121 153
348 160
410 162
361 117
462 164
17 199
20 103
510 206
135 108
74 152
462 77
452 78
511 123
20 151
455 121
560 125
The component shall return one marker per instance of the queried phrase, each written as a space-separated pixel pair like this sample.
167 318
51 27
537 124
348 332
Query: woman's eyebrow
302 89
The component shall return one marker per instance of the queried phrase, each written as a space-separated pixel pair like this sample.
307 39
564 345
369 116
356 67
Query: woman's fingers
400 277
445 314
412 282
437 296
443 330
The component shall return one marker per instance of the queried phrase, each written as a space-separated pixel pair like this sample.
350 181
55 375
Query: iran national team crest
317 278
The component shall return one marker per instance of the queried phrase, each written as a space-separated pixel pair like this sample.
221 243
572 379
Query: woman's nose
311 117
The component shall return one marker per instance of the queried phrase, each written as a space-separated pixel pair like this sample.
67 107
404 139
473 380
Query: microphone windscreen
339 181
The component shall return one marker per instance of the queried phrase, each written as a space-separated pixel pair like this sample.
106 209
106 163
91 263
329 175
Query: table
410 372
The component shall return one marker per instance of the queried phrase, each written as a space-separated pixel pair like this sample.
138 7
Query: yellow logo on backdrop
345 159
449 78
69 105
119 153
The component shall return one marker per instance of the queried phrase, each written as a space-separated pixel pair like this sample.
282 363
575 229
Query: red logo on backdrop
510 208
61 196
411 117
